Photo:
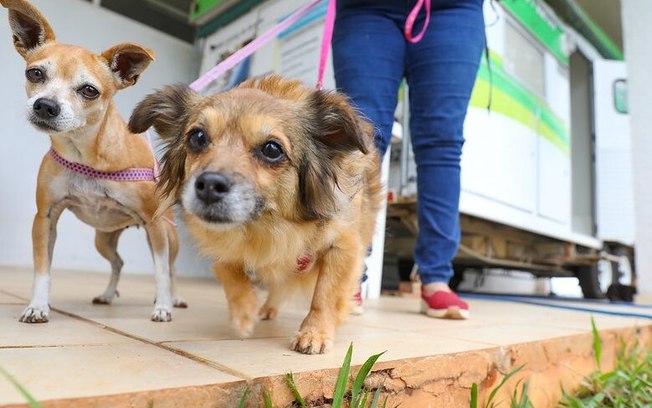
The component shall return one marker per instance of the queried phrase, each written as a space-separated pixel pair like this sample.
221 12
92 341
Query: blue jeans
371 57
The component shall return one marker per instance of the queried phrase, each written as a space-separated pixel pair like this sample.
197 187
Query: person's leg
368 60
441 71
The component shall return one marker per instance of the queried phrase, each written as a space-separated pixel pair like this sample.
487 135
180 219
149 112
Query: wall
636 15
80 23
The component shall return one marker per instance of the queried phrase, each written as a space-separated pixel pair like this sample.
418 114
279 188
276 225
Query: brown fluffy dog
279 186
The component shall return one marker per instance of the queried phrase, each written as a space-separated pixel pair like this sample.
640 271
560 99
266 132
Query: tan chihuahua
96 168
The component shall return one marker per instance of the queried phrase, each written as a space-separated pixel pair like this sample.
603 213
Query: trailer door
582 145
613 147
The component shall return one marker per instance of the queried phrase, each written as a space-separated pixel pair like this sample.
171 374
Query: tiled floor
92 355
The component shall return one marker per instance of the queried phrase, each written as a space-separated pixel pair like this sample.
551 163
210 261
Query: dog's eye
88 92
197 140
272 152
35 75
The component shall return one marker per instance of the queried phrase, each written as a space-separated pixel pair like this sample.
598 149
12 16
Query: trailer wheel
624 268
624 283
597 281
592 281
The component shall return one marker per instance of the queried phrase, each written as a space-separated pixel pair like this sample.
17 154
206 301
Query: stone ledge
434 381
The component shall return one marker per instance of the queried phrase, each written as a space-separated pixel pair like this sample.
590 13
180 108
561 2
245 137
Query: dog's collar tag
303 263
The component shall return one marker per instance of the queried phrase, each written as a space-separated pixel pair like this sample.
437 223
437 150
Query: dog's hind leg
159 243
177 301
107 245
275 297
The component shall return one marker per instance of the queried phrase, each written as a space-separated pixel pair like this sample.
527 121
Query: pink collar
133 174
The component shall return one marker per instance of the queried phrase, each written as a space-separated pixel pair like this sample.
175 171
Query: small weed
243 399
628 385
358 396
268 400
31 401
522 401
293 387
597 344
490 403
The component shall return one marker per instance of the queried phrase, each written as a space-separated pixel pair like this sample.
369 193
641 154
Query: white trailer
546 168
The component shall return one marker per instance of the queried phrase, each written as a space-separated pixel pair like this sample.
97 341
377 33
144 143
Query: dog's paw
311 342
161 314
35 314
102 300
244 322
178 301
106 298
267 312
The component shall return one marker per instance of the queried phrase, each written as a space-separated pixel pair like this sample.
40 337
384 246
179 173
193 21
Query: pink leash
329 25
140 174
267 36
409 23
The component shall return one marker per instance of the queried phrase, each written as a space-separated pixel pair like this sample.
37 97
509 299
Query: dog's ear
336 131
167 111
29 28
127 61
339 127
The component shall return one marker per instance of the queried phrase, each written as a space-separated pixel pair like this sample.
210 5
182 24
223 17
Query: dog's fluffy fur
279 184
70 97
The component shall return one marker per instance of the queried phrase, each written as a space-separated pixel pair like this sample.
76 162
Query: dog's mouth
223 215
213 215
43 125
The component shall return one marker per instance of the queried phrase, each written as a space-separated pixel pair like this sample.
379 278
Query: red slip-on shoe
356 303
444 305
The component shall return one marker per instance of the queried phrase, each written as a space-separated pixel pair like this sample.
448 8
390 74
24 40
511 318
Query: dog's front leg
44 234
339 269
239 291
160 247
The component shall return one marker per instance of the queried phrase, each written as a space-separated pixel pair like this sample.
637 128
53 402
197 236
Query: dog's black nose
211 187
46 108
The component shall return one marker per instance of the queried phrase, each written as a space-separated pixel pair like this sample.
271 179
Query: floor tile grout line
44 346
178 352
207 339
4 292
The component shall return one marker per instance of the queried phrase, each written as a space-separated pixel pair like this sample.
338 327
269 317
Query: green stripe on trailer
225 17
577 18
611 50
514 101
201 7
